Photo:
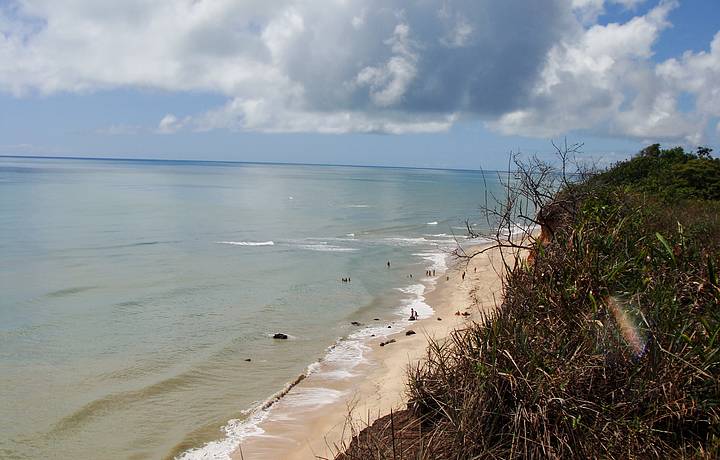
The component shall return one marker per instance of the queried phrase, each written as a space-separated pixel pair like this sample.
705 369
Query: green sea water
132 292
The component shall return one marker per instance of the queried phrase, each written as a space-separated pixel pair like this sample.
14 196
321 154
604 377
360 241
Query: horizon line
269 163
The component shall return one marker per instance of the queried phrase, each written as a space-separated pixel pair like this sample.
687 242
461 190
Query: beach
168 350
314 419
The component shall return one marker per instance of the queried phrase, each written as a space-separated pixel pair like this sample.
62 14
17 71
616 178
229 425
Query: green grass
607 346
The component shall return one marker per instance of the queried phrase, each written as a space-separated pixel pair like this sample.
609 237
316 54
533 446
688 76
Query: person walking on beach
388 264
463 276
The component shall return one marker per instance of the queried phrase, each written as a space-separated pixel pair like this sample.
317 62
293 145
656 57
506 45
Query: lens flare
629 326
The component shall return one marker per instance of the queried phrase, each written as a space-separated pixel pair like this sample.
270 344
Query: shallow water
133 291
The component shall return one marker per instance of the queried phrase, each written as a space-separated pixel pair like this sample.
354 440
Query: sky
427 83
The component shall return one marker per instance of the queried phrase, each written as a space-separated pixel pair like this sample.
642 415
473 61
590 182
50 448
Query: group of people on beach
413 315
427 273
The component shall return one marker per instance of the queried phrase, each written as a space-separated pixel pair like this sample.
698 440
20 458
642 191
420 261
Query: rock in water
280 335
355 323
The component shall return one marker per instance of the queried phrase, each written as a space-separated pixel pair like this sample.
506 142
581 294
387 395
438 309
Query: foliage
607 345
673 173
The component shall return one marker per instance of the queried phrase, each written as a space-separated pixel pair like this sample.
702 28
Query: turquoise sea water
133 291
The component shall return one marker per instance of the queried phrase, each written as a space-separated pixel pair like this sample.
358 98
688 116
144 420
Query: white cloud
699 74
459 36
389 82
358 21
603 80
588 11
538 68
263 116
287 64
171 124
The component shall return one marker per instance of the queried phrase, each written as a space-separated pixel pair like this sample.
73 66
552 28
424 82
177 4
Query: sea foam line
343 356
237 430
247 243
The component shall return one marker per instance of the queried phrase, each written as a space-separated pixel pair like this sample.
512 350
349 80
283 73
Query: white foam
247 243
338 374
312 368
373 331
338 363
438 260
407 241
415 289
325 247
346 354
358 206
350 235
432 223
417 301
311 397
235 432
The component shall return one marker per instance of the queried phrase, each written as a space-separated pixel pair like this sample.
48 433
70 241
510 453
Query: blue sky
455 84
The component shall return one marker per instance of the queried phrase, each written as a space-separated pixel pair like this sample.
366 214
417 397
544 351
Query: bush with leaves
606 346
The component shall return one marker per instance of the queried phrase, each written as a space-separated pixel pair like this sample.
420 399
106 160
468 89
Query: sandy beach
299 428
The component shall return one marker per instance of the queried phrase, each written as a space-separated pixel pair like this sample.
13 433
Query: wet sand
300 427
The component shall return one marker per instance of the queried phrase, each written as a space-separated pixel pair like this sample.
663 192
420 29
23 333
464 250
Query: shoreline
317 416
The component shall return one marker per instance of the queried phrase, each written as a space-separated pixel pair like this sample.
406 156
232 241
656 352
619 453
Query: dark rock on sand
248 359
376 319
382 344
280 335
410 332
439 319
355 323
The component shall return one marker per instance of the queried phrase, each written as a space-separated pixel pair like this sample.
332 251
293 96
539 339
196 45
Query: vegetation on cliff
607 344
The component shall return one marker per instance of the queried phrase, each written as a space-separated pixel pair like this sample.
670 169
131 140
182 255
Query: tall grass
607 345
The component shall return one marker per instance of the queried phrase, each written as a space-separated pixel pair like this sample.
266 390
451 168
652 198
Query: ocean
133 292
